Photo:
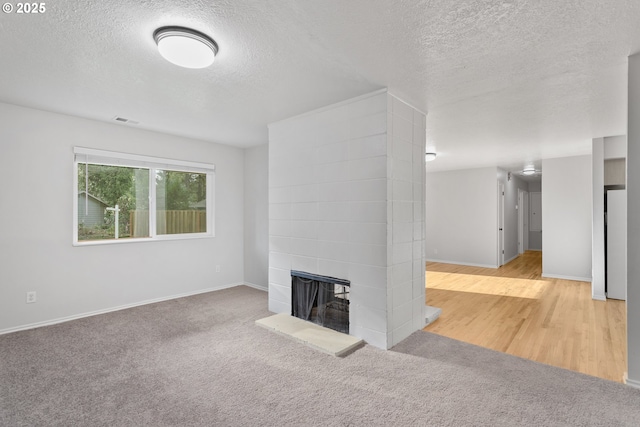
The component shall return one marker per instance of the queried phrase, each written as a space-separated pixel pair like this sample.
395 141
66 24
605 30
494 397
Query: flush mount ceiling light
529 170
185 47
429 157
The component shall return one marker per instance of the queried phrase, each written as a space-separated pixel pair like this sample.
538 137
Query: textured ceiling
503 82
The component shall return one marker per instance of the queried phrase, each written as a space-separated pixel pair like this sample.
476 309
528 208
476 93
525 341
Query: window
124 197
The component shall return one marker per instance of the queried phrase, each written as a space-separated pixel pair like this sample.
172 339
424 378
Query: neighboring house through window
127 197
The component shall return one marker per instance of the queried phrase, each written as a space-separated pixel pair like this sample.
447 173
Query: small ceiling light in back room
185 47
529 170
429 157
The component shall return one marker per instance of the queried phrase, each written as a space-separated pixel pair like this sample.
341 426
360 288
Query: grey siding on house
94 211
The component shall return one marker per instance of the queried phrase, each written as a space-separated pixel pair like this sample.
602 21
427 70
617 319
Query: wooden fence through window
168 222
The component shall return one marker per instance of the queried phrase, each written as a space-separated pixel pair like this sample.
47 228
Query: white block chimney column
346 199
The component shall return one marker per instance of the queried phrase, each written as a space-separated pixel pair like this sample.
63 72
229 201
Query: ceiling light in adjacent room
429 157
529 170
185 47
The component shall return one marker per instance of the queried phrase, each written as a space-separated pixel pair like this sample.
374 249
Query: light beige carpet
202 361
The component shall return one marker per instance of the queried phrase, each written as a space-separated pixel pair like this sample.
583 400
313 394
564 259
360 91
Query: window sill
162 238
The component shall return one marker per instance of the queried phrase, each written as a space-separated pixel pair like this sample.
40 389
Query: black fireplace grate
320 299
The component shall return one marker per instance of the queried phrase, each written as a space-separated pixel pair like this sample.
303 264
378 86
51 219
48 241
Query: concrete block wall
406 228
337 208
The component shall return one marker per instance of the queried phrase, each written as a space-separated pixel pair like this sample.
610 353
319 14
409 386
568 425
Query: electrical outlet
217 269
31 297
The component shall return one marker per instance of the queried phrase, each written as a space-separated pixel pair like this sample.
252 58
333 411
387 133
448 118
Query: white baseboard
258 287
112 309
598 297
630 383
468 264
559 276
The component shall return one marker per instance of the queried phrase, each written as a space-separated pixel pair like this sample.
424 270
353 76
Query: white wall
256 216
461 217
633 224
615 147
346 199
535 186
566 217
36 169
511 187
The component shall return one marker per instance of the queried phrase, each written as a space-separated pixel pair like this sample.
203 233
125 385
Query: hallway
514 310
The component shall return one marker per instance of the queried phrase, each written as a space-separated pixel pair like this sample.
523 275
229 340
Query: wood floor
514 310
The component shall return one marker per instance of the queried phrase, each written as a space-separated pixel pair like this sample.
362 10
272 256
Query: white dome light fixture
529 170
185 47
429 157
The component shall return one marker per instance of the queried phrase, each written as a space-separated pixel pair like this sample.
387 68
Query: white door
500 224
520 221
617 244
523 221
525 218
535 217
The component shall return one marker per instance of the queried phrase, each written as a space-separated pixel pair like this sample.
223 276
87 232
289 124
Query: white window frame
82 155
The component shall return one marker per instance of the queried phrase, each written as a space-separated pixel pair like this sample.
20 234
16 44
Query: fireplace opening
322 300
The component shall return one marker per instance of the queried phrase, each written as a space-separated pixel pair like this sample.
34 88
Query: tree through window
116 199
